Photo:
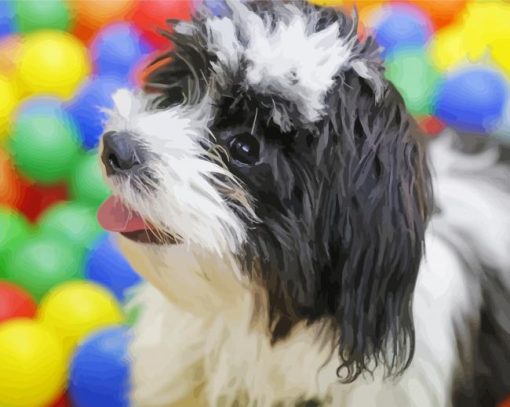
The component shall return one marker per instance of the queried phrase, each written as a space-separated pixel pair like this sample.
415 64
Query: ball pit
99 374
77 308
60 62
32 364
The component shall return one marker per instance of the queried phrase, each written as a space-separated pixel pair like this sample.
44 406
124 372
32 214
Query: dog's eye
244 148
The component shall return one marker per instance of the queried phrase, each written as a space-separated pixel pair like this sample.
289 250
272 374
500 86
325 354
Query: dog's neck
202 284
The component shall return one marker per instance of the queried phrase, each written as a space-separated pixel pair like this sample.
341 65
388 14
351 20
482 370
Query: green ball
14 228
44 145
43 262
415 77
86 181
73 221
33 15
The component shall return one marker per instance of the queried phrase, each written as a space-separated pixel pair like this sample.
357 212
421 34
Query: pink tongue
114 216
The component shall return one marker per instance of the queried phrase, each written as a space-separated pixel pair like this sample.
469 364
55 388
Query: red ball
431 125
62 401
38 198
149 16
15 302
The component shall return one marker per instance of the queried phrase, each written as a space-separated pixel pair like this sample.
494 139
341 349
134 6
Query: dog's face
272 136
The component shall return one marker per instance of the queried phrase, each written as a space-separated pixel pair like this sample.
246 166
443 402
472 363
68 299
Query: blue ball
99 373
402 26
472 99
107 266
86 107
7 24
117 49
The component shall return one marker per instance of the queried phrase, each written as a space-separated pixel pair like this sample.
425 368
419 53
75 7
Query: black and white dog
271 187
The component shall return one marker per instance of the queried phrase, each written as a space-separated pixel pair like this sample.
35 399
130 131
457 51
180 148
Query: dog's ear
381 198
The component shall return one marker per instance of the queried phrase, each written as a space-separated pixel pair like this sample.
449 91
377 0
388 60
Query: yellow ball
447 49
77 308
485 22
52 62
8 102
501 54
32 364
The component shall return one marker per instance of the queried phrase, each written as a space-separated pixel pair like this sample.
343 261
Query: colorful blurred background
64 324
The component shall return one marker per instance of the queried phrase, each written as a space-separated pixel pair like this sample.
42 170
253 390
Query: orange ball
441 12
90 15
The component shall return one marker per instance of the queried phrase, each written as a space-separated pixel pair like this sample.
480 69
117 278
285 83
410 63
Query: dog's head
270 134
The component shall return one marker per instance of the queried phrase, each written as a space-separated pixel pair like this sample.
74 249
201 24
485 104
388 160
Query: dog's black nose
120 153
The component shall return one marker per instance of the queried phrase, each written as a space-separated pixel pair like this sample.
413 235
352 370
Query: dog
300 242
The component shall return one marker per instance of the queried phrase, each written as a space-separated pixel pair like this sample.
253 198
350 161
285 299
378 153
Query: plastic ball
37 198
62 401
73 221
33 15
86 181
44 145
99 374
441 12
485 22
85 108
148 17
107 266
76 309
400 26
7 23
90 16
414 76
32 364
117 49
15 302
500 51
12 187
53 63
447 48
472 99
8 103
42 262
14 228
